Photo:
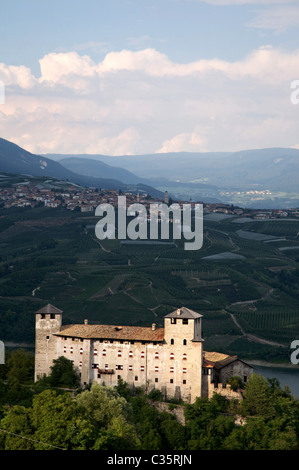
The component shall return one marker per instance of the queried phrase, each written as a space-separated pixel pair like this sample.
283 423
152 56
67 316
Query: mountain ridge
14 159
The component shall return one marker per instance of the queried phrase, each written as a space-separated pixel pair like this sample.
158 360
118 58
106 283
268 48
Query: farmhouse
170 359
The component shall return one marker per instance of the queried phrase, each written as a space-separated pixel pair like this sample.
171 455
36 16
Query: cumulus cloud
142 102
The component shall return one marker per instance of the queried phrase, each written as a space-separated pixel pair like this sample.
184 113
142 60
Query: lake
285 376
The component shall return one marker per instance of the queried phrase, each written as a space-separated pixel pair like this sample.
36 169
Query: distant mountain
99 169
273 168
16 160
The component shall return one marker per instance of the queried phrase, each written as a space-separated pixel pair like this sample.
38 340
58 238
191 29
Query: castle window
173 321
142 368
43 316
142 354
156 379
184 342
104 352
185 321
52 316
81 350
136 378
171 355
172 341
71 350
95 352
171 381
184 371
64 349
156 368
119 353
119 367
131 354
130 367
171 369
184 382
156 355
80 364
184 357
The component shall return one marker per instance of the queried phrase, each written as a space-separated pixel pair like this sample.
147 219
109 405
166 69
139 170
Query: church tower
48 320
166 199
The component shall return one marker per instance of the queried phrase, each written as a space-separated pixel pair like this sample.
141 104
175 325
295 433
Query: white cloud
140 102
17 75
187 142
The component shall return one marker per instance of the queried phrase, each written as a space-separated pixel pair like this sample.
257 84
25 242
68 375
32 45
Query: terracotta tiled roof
217 360
49 309
133 333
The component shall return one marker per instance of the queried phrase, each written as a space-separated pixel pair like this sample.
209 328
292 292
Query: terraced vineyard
246 287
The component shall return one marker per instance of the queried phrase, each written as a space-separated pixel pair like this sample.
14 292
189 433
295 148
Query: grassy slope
48 255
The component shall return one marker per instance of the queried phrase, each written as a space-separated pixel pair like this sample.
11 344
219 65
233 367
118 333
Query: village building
170 359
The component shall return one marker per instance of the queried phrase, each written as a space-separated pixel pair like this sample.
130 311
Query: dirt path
253 338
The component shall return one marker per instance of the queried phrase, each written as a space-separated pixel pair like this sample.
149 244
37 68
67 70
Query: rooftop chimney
153 326
85 322
178 312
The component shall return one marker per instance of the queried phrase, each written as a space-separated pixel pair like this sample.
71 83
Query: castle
170 359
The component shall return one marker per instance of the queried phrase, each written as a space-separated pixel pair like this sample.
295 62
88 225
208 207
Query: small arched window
172 341
184 342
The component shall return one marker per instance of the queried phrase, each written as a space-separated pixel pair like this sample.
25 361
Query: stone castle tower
48 320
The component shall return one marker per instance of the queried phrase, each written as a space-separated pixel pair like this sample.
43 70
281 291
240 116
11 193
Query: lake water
285 376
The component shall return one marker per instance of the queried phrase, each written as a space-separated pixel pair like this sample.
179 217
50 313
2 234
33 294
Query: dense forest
55 413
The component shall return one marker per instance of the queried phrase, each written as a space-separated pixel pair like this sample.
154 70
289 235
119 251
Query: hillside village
72 197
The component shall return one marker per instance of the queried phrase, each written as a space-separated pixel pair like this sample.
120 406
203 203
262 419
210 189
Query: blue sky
146 76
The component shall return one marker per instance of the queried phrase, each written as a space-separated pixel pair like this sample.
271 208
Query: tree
63 374
257 397
17 432
20 366
236 383
111 415
59 422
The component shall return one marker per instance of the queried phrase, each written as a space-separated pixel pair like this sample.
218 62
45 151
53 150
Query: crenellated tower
48 320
